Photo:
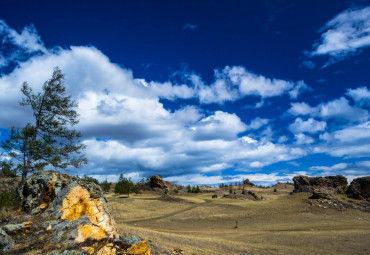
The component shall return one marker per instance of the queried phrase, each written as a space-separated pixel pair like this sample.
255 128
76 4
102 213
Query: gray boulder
359 188
6 242
13 229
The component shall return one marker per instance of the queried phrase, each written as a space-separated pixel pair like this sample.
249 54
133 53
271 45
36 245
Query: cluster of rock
156 182
337 204
248 195
329 184
73 212
323 187
248 183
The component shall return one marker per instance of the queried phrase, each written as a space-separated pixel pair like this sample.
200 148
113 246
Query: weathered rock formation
157 182
65 197
248 183
329 184
72 212
320 195
359 188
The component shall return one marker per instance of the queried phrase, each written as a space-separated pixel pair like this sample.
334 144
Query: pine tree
124 186
50 140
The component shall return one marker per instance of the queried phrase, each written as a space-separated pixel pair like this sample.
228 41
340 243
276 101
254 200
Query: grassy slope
280 224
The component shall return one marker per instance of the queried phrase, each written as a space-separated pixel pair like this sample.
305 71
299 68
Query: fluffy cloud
258 123
127 129
233 83
361 95
339 109
339 166
221 125
302 139
350 142
28 39
300 109
350 170
310 126
344 34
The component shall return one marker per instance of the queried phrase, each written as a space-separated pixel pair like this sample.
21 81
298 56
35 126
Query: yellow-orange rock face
89 231
107 250
140 248
28 226
78 203
89 250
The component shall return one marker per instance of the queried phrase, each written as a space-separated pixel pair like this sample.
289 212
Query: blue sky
201 92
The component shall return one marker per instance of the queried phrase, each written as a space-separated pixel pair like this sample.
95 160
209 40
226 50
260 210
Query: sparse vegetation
8 199
90 179
124 186
105 186
280 224
243 190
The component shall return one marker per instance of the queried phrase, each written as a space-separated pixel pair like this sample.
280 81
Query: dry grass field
279 224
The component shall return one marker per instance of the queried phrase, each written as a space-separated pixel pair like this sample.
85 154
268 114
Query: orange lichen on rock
28 226
107 250
140 248
78 203
89 231
89 250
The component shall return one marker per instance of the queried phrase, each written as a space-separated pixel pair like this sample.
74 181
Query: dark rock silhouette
329 184
157 182
359 188
248 183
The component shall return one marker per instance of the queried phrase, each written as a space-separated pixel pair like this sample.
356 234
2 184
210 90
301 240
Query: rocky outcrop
329 184
73 212
156 181
6 242
248 183
65 197
360 188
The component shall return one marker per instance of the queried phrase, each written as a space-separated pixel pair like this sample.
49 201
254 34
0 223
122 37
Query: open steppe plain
282 223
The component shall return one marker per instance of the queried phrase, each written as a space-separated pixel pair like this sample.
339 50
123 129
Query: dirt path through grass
167 215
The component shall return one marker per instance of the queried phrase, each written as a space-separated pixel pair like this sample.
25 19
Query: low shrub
105 186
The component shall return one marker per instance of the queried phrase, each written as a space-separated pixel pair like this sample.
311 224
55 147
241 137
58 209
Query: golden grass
279 224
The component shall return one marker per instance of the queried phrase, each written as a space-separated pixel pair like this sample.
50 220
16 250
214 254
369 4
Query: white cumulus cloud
345 34
310 126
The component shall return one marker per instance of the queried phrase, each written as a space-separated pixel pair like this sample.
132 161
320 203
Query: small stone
12 229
